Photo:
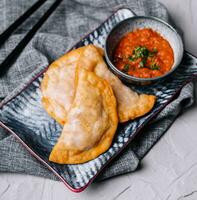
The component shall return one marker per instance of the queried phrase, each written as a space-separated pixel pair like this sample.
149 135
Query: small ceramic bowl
139 22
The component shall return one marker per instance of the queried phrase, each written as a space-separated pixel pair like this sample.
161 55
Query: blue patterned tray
24 116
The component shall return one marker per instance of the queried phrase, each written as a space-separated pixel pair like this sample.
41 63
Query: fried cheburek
58 85
91 122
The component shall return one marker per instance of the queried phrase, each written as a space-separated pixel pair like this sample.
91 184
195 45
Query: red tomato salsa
143 53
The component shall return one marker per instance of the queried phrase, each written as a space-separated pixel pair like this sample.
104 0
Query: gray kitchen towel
68 24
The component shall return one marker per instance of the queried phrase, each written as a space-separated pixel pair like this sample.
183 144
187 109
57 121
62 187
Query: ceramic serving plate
23 115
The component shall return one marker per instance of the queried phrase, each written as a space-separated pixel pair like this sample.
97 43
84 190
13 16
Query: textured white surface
183 12
168 172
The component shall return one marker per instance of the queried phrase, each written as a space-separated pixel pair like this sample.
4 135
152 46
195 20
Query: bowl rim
129 77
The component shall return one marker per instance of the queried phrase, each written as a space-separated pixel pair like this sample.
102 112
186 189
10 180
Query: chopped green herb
131 58
126 68
151 54
142 62
143 53
140 52
155 51
154 66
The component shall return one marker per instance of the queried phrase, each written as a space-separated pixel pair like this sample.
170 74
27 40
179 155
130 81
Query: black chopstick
18 49
4 36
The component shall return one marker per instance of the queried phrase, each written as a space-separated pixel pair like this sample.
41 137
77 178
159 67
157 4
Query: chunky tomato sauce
144 53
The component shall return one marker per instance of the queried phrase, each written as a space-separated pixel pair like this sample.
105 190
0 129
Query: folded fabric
70 22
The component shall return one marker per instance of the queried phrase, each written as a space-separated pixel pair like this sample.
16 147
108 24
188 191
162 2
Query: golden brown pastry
58 86
91 122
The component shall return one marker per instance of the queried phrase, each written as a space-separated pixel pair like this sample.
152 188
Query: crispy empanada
130 104
58 86
91 122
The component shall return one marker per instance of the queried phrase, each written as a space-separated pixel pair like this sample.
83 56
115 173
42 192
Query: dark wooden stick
11 58
5 35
